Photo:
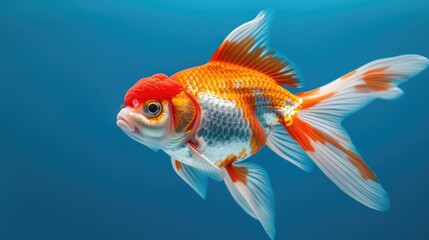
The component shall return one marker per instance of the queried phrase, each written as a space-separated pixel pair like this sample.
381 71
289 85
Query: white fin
203 164
285 146
333 161
259 28
250 187
197 180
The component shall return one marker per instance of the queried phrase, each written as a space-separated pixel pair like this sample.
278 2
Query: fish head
159 113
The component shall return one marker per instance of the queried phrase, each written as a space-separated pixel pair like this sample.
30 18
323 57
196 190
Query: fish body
211 118
239 107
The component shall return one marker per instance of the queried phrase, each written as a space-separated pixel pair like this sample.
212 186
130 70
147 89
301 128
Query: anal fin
192 176
250 187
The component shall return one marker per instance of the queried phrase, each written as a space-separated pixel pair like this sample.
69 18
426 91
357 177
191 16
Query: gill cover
186 113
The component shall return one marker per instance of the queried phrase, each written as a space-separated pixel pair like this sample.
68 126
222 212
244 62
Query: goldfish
211 118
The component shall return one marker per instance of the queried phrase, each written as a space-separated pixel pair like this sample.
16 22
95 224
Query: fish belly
224 132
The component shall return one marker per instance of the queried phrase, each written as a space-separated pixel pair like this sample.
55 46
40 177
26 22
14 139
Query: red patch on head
158 87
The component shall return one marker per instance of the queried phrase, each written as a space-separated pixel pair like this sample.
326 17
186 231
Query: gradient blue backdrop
67 171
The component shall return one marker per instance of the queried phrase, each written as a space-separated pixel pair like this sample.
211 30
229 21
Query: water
67 171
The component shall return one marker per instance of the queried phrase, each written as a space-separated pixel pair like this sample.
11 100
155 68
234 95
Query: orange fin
248 46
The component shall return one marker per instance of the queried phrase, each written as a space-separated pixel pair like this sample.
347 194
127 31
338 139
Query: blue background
67 171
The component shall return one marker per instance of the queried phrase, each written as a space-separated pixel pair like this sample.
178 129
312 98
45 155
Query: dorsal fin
248 46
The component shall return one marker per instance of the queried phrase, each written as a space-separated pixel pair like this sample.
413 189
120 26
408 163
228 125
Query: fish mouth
126 125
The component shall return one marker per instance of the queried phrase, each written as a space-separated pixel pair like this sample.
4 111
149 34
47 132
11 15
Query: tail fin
317 127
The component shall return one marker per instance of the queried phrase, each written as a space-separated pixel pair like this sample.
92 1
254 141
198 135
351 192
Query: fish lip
124 124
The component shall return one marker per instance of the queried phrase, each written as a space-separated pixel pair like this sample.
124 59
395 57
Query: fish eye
152 108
